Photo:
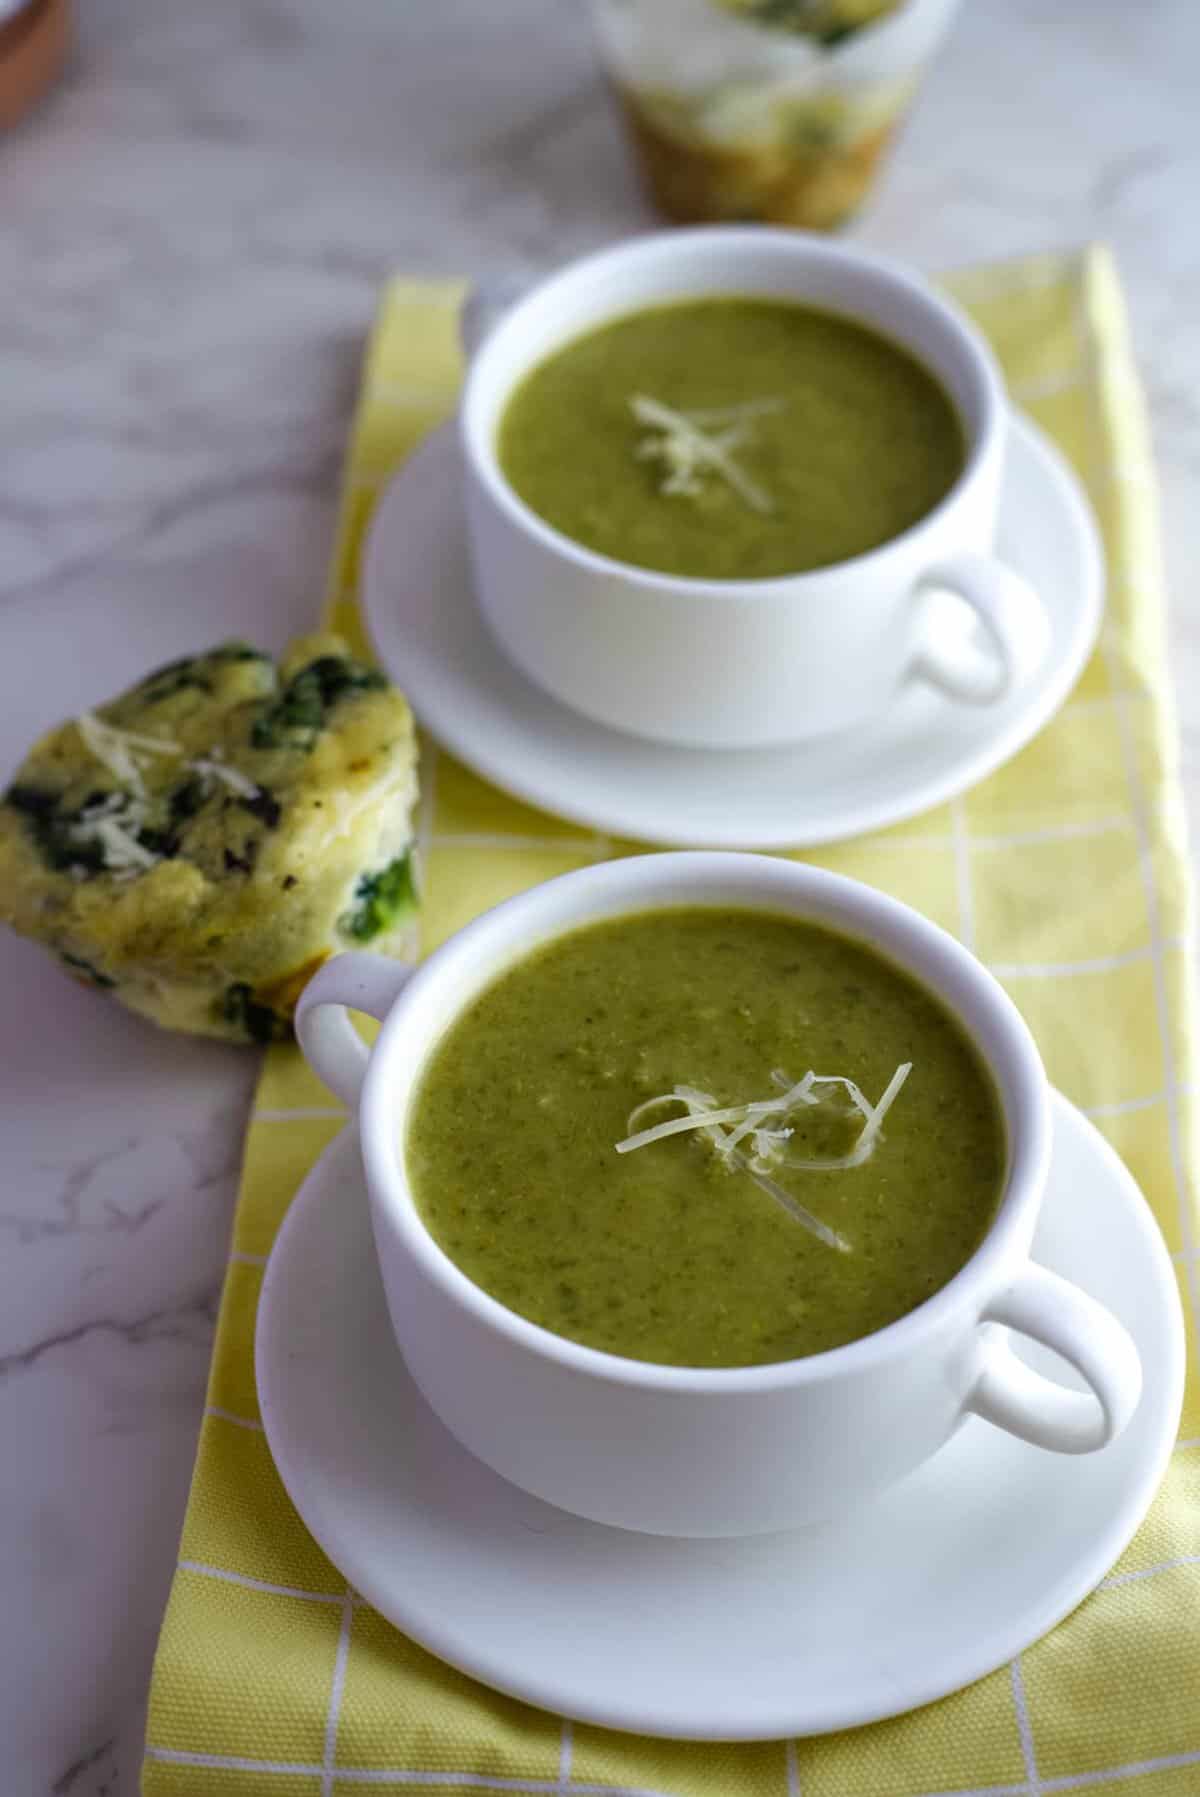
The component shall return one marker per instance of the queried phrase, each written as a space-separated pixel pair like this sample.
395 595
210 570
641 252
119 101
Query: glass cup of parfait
775 111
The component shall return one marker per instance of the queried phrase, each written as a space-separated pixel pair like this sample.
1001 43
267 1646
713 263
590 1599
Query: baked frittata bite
202 843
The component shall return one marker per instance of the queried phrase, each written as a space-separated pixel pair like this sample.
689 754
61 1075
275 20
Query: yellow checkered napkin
1065 871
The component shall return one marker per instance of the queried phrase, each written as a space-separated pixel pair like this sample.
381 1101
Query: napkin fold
1066 872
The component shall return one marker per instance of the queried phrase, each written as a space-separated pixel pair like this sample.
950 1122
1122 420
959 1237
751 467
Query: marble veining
192 232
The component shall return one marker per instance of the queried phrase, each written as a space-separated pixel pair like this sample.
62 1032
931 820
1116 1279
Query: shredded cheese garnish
118 750
739 414
764 1122
114 823
212 766
701 1115
700 1106
686 446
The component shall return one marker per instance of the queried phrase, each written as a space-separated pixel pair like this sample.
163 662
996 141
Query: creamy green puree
663 1253
841 435
844 438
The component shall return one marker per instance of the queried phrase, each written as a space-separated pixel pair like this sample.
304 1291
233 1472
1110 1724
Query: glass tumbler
768 111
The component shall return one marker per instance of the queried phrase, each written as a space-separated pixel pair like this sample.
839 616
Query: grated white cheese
118 750
681 443
215 768
764 1121
122 850
114 823
116 820
700 1107
739 414
780 1079
702 1114
792 1205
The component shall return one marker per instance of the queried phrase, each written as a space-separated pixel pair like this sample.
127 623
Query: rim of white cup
929 954
478 443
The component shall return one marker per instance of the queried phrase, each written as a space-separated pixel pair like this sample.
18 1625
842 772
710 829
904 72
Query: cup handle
333 1048
1062 1317
1014 620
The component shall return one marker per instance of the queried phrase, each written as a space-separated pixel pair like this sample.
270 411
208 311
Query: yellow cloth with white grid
1068 869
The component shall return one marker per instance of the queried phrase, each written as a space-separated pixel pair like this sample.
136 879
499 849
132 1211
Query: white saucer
429 635
945 1577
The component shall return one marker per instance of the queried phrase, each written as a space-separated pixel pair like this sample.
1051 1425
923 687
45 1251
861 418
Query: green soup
671 1251
829 439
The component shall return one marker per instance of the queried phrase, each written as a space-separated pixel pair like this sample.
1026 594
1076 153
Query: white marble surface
191 235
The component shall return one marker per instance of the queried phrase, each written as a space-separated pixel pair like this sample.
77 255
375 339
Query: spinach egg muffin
202 843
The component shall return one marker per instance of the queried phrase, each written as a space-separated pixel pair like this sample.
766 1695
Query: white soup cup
685 1450
744 663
